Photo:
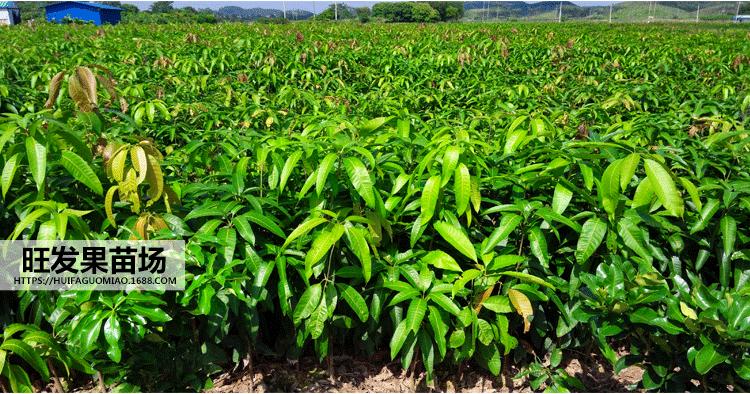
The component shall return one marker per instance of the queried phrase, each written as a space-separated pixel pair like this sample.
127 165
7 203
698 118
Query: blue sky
302 5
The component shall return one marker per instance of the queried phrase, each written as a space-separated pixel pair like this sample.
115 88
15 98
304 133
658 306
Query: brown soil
359 374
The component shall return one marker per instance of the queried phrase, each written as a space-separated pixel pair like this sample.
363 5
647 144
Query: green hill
622 12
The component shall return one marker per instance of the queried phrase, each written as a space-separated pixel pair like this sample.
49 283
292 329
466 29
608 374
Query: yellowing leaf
108 203
523 307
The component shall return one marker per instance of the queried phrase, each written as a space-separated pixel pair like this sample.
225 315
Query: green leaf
3 358
556 358
665 188
360 179
10 129
303 229
504 261
644 194
42 338
467 276
484 333
708 357
444 302
528 278
439 328
47 231
514 140
457 239
633 237
228 237
415 315
355 237
265 222
728 227
398 338
373 124
355 300
325 168
462 188
561 198
27 221
610 187
428 353
693 191
291 162
591 237
430 195
19 380
204 302
405 295
112 334
458 337
309 300
152 313
243 227
476 196
538 243
441 260
498 304
81 171
627 169
708 211
321 245
37 154
507 224
26 352
9 170
450 160
318 319
112 330
550 217
490 355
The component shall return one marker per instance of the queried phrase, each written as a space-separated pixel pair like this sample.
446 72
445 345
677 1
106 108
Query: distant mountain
518 8
234 12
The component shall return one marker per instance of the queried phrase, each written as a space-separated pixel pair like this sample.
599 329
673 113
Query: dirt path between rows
360 374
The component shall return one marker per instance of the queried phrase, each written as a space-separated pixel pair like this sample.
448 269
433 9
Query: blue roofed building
9 13
97 13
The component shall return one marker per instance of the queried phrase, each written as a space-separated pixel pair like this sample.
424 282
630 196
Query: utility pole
698 13
284 4
559 15
336 8
315 19
738 12
610 13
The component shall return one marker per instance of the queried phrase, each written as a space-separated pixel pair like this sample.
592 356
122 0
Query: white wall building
9 13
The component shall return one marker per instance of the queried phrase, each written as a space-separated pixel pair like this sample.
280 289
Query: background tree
363 13
451 13
382 10
330 12
162 7
30 9
189 10
402 12
442 8
422 12
129 9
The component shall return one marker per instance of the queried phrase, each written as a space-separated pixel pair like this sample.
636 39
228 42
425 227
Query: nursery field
457 198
